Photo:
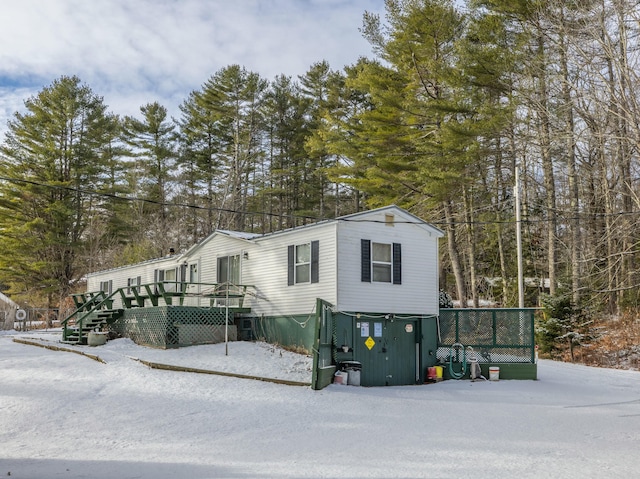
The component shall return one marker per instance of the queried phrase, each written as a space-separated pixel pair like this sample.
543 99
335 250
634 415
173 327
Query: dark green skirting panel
169 327
294 331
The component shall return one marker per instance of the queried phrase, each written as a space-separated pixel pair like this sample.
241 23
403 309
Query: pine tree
410 140
51 158
233 96
281 180
152 140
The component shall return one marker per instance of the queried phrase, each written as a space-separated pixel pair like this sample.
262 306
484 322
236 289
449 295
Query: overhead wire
305 218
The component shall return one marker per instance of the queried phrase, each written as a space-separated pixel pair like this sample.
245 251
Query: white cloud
148 50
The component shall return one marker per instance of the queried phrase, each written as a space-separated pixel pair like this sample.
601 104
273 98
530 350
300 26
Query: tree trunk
544 129
574 199
471 247
454 255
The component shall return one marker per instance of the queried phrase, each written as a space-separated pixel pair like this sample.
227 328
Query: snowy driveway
64 415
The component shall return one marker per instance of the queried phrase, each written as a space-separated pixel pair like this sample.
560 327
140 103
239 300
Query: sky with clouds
134 52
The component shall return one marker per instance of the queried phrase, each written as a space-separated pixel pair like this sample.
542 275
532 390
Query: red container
432 373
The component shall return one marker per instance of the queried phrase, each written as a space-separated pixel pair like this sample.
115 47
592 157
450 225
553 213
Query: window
106 287
229 269
303 263
381 262
136 281
170 280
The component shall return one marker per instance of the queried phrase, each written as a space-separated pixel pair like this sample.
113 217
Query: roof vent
389 220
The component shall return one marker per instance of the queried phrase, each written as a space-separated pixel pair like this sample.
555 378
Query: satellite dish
21 315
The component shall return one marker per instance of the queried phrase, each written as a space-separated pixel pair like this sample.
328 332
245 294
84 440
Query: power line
311 218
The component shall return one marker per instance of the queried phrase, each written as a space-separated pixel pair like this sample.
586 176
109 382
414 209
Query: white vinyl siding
267 269
415 290
336 271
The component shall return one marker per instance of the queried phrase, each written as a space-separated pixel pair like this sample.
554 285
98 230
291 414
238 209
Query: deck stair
95 311
78 334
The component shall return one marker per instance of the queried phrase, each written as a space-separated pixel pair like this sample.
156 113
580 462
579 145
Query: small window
381 262
303 263
106 287
135 281
170 280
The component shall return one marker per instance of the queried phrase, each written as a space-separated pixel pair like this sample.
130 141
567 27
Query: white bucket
341 377
354 377
96 338
494 373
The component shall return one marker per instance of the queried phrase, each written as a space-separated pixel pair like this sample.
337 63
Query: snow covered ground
64 415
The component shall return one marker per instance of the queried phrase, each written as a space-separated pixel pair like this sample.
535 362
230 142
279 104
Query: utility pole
516 194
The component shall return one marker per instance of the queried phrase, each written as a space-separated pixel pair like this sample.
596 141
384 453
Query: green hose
463 370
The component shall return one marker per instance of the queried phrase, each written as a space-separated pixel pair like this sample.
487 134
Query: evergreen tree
153 147
200 139
413 146
52 155
234 97
281 188
112 213
321 88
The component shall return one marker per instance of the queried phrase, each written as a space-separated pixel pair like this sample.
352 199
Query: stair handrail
80 320
94 302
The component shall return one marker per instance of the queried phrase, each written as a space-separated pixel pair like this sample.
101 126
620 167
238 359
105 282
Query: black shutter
290 265
365 248
397 264
315 260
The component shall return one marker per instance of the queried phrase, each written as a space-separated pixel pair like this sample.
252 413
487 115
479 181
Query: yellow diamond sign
369 343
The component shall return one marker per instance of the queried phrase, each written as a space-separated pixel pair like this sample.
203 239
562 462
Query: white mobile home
359 291
383 260
359 288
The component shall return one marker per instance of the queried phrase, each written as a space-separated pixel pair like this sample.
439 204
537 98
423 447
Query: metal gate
388 350
323 360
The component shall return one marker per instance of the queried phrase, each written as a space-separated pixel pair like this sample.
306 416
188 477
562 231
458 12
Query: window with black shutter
381 262
303 263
